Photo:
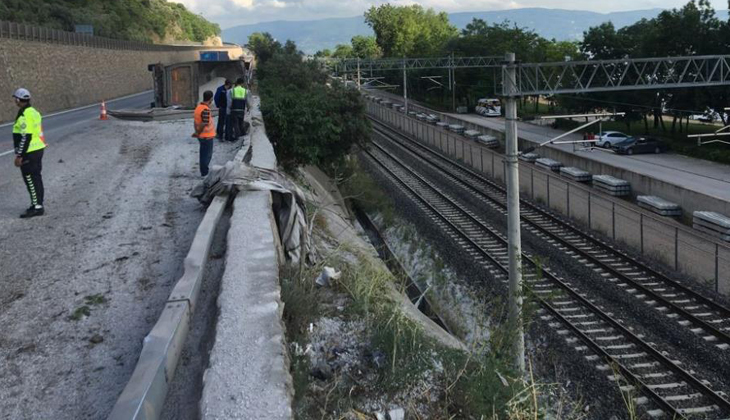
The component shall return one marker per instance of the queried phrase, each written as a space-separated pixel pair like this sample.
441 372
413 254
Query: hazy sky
236 12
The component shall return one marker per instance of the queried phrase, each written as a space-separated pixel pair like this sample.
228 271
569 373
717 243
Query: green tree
365 47
409 30
343 51
263 45
323 53
139 20
310 119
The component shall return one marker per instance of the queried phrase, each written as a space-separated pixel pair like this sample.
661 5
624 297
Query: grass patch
97 299
356 184
79 313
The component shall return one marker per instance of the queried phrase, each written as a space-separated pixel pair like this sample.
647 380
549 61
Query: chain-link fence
21 31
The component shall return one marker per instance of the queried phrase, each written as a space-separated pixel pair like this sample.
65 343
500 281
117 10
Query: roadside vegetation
309 119
136 20
355 353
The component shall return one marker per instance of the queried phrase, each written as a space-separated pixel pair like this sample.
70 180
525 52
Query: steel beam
622 74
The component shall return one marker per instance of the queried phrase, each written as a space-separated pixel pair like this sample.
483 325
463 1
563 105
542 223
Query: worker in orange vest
204 131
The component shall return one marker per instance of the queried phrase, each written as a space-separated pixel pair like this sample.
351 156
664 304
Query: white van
489 107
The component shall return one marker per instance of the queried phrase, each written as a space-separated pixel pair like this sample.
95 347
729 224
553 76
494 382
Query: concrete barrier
145 393
144 396
248 376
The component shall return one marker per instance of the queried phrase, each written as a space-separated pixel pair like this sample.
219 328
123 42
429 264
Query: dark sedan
640 145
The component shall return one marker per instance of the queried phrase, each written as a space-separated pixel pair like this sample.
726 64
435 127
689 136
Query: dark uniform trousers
31 170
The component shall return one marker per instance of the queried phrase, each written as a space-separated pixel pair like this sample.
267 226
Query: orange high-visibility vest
203 116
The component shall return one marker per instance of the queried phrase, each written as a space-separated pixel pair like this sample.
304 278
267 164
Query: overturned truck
182 84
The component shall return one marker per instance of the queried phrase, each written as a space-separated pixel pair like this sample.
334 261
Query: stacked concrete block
659 205
547 163
576 174
711 223
612 185
472 134
456 128
528 157
488 141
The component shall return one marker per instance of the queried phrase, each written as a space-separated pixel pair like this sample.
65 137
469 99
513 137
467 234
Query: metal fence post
641 232
676 248
613 219
589 209
532 183
717 267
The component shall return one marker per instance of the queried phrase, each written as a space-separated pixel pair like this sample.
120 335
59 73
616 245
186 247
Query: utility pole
405 86
358 73
453 83
513 214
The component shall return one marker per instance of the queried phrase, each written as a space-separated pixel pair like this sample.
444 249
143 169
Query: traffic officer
29 143
204 131
236 110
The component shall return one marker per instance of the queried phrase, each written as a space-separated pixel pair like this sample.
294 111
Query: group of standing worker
231 102
28 140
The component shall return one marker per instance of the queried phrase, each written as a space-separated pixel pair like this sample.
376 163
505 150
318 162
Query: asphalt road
57 126
81 286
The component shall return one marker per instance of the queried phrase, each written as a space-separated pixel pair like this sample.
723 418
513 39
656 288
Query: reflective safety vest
238 98
203 116
28 132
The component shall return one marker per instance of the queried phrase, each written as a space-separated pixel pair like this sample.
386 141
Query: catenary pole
513 214
358 73
453 84
405 86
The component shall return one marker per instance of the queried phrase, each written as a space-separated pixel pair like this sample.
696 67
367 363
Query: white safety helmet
22 93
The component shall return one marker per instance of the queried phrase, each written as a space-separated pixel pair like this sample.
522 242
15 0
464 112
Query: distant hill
137 20
313 35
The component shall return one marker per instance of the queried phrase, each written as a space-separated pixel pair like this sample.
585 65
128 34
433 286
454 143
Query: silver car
610 138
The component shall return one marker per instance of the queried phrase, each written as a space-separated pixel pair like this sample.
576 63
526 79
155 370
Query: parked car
709 116
609 138
489 107
640 145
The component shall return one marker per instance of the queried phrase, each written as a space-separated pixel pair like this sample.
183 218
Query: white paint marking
84 107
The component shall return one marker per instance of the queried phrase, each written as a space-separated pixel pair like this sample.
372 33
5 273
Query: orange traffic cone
103 111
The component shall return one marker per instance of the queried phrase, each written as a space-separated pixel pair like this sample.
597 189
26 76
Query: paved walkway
690 173
698 175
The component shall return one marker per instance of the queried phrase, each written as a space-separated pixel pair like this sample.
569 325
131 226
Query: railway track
675 300
668 390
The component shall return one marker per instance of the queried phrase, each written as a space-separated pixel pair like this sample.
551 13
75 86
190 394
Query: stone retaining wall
66 76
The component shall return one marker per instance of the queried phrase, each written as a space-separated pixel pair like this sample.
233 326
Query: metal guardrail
25 32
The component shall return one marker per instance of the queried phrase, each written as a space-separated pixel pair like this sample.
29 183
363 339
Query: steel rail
701 299
656 354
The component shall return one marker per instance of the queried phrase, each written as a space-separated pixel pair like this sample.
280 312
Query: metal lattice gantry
351 65
619 75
